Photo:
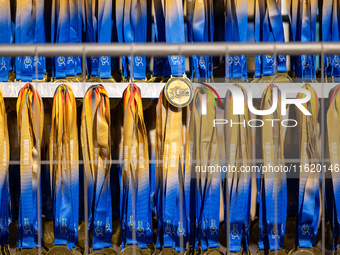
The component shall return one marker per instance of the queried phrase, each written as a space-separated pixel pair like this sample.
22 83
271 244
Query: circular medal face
27 252
109 251
156 252
213 252
59 250
130 251
279 252
261 252
168 251
178 91
304 251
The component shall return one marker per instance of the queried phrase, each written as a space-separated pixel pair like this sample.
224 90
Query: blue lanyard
161 65
236 31
120 31
6 37
273 32
200 34
135 18
60 34
30 29
174 33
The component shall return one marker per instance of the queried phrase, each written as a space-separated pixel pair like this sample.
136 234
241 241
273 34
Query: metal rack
152 90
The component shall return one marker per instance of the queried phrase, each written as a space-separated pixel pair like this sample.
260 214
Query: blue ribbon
6 37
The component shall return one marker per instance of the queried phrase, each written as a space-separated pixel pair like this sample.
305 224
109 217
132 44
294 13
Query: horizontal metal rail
153 90
164 49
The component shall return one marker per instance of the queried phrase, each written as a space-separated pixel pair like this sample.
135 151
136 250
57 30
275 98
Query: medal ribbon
135 25
4 176
172 223
205 155
274 183
236 31
29 28
30 128
174 33
309 198
238 151
135 187
64 150
333 143
6 37
273 32
95 127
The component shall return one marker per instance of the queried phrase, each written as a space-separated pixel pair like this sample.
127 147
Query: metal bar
163 49
151 90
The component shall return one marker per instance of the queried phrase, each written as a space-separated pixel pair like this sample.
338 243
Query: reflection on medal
104 251
305 251
213 251
131 250
178 91
168 251
59 250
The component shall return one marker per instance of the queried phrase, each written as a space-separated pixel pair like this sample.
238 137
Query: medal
178 91
105 251
60 250
213 252
131 250
305 251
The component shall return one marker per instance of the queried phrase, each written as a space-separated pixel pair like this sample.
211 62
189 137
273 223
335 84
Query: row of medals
179 92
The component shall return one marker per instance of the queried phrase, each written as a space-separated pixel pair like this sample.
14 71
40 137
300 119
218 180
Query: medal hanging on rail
6 38
66 27
5 219
178 90
96 144
99 29
202 188
30 128
136 217
65 170
236 31
237 185
273 197
29 28
309 196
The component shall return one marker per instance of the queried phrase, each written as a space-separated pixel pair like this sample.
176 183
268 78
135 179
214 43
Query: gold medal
305 251
59 250
213 251
262 252
168 251
104 251
178 91
131 250
156 79
279 252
